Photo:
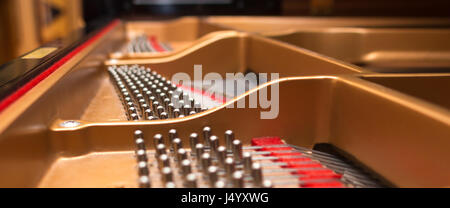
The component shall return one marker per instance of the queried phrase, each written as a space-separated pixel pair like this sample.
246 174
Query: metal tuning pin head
220 184
206 134
247 160
134 117
193 140
160 150
214 144
191 181
140 144
186 109
238 179
229 138
141 155
257 175
186 168
267 184
172 135
163 161
164 115
138 134
212 175
170 108
167 175
197 107
206 162
176 113
229 168
158 139
148 113
181 155
160 110
177 144
143 168
221 156
144 182
191 102
199 150
170 185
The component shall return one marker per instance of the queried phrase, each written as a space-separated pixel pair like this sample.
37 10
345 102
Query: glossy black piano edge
18 72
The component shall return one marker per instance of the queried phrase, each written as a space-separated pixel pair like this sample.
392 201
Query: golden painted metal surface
373 43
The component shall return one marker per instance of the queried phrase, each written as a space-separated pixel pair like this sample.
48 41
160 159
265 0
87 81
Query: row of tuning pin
219 166
147 95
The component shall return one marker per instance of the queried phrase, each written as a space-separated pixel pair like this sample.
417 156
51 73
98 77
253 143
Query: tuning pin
163 161
221 156
247 160
170 185
176 113
186 168
181 155
229 168
191 181
134 117
267 184
237 150
144 182
170 109
141 155
148 113
212 175
206 162
197 107
138 134
220 184
158 139
199 150
167 175
160 110
143 168
177 144
192 102
186 109
140 144
160 150
214 144
172 135
164 115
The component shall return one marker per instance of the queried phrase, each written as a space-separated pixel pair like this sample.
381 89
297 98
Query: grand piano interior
360 95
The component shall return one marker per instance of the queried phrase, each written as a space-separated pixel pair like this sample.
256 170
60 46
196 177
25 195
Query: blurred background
27 24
